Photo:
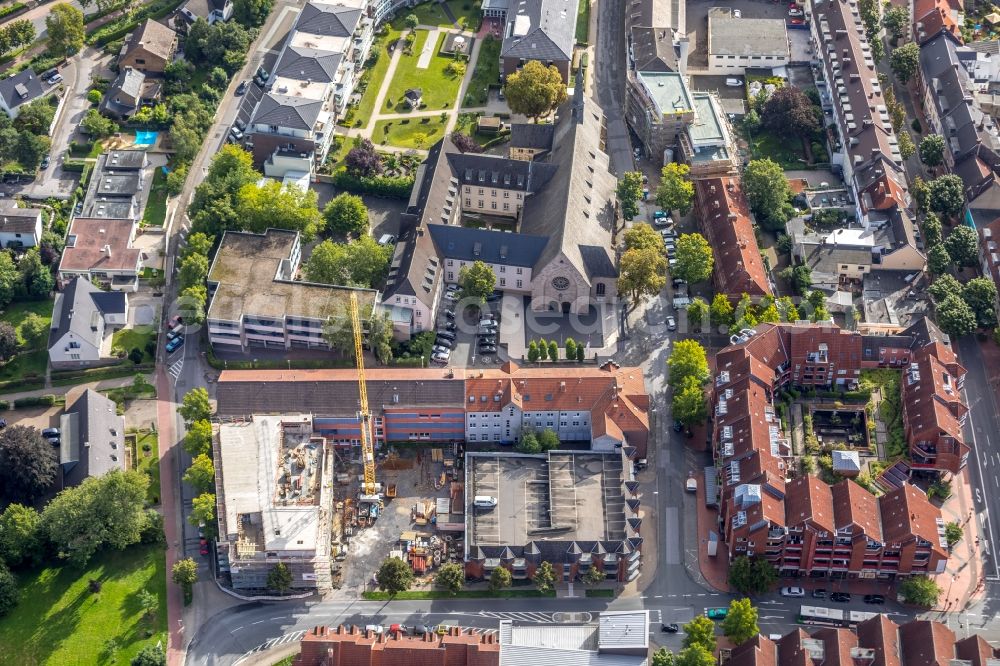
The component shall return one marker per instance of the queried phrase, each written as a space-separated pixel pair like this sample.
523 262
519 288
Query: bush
94 96
35 401
4 405
10 9
119 28
392 187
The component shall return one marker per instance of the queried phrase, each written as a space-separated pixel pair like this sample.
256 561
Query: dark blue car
175 344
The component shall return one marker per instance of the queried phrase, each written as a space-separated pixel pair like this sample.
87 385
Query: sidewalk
962 581
165 416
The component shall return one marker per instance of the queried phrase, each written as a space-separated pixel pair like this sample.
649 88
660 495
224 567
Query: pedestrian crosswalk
176 367
522 617
274 642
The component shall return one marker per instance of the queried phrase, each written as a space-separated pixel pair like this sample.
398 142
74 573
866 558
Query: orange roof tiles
881 635
927 643
907 513
808 499
853 505
930 17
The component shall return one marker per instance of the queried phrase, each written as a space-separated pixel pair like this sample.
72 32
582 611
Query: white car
440 357
737 13
793 592
671 323
663 222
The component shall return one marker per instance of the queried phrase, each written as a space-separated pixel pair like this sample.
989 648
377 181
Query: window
468 202
451 262
576 423
496 437
493 193
140 61
493 205
519 284
75 357
600 288
503 282
480 203
519 196
506 206
451 276
472 438
506 194
520 271
480 191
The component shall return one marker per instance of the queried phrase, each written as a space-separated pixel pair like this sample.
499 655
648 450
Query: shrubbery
393 187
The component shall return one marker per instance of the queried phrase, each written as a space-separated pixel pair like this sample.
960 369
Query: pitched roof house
19 227
542 30
149 48
93 439
18 90
82 320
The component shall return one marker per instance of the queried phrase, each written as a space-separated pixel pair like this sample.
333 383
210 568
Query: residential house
149 48
935 17
989 252
734 44
209 10
92 441
934 412
724 218
130 91
255 299
118 186
101 250
83 320
19 227
542 30
18 90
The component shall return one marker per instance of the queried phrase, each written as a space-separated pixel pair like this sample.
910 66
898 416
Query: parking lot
467 350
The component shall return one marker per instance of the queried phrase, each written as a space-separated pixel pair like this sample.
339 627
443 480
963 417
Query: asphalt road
38 13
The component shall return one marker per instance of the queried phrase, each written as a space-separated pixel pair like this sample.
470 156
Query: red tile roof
853 505
930 17
927 643
976 649
907 513
724 215
758 651
809 500
342 646
100 245
881 635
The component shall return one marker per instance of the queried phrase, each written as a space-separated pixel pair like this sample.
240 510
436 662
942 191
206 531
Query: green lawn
149 462
27 366
127 338
486 73
156 206
467 12
583 22
59 621
439 88
787 153
16 313
375 75
602 592
409 132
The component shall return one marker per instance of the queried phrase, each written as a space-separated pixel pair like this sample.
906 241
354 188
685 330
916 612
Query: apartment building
273 484
560 202
118 186
877 640
606 406
734 44
933 17
347 645
542 30
724 219
934 410
255 299
315 75
866 147
100 249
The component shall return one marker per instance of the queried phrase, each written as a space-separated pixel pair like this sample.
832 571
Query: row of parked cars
839 597
486 333
175 334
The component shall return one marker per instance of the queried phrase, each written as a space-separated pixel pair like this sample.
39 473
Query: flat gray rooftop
561 496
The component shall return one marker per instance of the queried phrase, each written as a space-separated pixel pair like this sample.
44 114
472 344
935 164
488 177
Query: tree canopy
955 317
641 236
629 193
687 359
476 281
947 195
767 191
963 245
932 150
694 258
700 632
195 406
21 539
545 577
360 263
279 578
938 259
789 112
28 464
676 191
896 20
905 60
980 294
642 272
740 624
64 27
394 576
451 577
346 214
535 90
751 575
688 402
920 591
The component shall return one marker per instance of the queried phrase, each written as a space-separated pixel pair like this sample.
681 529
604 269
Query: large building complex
542 30
736 43
606 407
255 299
274 481
549 212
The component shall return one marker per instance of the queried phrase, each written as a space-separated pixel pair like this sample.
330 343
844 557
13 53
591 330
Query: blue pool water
145 138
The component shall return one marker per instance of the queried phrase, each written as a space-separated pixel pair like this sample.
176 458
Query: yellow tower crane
367 445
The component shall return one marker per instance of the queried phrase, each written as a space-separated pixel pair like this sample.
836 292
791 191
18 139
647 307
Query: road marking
176 367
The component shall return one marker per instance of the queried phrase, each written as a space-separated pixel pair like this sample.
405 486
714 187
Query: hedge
11 9
35 401
392 187
76 166
96 374
4 405
118 29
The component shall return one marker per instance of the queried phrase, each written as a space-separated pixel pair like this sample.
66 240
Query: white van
734 82
484 502
387 239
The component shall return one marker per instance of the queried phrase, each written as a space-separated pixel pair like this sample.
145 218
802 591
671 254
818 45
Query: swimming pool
145 138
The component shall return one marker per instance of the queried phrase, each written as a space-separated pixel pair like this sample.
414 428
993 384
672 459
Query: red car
203 550
796 21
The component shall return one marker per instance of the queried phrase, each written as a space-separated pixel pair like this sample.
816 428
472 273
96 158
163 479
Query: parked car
239 123
793 592
45 162
487 349
451 295
819 594
795 12
52 434
671 323
734 82
876 599
242 88
737 13
261 76
174 321
440 349
443 344
447 335
487 340
440 358
662 221
235 132
55 78
670 628
450 314
716 613
795 22
840 597
375 628
175 344
495 296
449 326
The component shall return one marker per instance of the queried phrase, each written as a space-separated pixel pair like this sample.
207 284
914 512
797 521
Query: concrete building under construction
274 481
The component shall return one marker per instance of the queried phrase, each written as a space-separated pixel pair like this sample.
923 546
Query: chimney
107 250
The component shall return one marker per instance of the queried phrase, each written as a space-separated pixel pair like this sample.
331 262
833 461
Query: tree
203 510
817 301
767 191
64 26
201 474
195 406
148 603
456 68
943 286
676 191
279 578
721 311
346 214
102 511
695 656
97 126
544 578
629 192
260 207
906 147
533 352
535 90
9 594
932 150
185 573
570 346
28 463
697 311
788 112
363 159
694 258
594 576
920 591
528 443
136 355
947 195
8 341
548 440
905 61
921 194
980 294
642 273
394 576
687 360
451 577
688 404
465 143
580 352
411 21
379 337
800 277
641 236
787 309
500 578
955 317
543 350
963 245
339 334
553 351
700 632
740 625
150 655
36 280
476 281
896 20
251 13
198 440
9 279
953 533
193 270
751 575
932 230
20 536
175 180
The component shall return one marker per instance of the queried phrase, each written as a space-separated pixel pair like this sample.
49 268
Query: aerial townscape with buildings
499 332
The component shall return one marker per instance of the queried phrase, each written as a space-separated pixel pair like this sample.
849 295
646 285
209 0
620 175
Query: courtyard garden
371 81
485 74
420 132
439 85
156 206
